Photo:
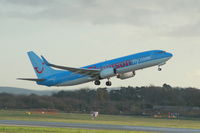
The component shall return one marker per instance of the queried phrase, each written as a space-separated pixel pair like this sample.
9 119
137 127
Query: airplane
122 68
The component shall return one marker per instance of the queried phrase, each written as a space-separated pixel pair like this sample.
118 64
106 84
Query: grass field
102 119
14 129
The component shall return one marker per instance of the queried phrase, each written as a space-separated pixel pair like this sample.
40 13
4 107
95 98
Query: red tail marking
38 71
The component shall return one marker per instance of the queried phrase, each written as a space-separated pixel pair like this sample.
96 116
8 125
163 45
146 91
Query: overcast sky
76 33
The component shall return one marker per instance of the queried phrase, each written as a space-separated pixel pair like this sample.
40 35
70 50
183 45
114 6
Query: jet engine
126 75
108 72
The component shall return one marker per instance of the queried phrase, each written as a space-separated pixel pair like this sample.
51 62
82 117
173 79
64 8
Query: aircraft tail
40 68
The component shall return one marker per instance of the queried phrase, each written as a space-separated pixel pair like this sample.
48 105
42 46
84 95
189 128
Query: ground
86 118
15 129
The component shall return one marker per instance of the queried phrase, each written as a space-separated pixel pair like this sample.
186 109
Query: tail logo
39 71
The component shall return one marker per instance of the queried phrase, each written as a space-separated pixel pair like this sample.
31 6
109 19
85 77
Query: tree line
125 100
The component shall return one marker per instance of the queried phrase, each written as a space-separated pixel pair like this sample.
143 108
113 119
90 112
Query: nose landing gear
159 69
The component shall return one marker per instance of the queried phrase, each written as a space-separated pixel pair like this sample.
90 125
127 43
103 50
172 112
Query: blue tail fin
40 68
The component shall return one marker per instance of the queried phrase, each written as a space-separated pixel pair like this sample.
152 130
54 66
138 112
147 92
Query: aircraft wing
82 71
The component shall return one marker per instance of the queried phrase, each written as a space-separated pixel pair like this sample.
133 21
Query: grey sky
81 32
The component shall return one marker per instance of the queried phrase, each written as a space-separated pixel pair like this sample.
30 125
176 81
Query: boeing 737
122 68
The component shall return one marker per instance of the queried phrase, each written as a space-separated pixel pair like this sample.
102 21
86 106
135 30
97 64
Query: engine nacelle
126 75
108 72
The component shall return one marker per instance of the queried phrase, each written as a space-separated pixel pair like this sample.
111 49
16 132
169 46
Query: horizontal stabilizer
30 79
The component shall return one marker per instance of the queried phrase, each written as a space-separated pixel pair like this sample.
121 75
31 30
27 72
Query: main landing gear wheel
97 82
108 83
159 69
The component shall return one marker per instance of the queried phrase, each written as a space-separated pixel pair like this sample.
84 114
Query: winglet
45 61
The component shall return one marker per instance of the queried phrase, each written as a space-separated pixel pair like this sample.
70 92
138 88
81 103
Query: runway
96 126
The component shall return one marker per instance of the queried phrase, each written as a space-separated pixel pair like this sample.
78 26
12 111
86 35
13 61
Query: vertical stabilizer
40 68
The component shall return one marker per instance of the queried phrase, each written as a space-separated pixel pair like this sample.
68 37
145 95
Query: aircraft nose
170 55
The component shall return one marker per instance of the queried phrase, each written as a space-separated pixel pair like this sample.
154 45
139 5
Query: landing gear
97 82
108 83
159 69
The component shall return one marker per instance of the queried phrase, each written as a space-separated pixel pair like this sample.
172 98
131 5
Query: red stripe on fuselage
117 65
